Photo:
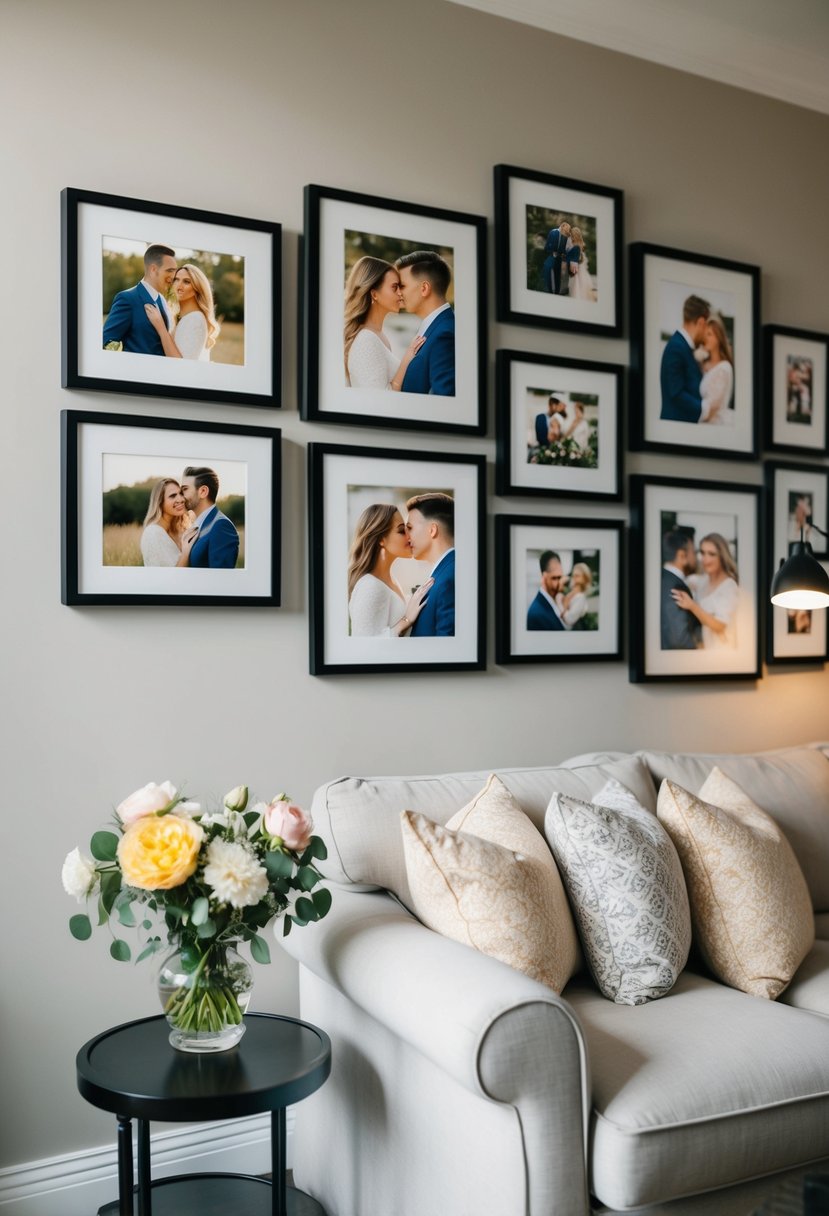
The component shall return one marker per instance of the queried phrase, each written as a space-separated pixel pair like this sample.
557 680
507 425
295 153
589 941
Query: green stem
203 1007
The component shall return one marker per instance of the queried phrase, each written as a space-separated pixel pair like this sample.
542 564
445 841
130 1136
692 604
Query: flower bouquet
215 879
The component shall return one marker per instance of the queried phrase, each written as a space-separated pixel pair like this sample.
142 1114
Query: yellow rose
158 853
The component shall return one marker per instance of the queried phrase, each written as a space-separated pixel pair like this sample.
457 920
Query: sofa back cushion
791 785
359 817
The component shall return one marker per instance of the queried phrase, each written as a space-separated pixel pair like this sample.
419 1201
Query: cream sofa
461 1087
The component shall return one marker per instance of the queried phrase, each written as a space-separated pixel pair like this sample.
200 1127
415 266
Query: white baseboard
79 1183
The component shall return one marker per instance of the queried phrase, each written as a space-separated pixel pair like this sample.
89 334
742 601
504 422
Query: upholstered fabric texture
625 884
750 905
501 895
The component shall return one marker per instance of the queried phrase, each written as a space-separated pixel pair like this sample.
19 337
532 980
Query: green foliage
80 927
233 507
127 504
260 950
104 846
120 951
225 273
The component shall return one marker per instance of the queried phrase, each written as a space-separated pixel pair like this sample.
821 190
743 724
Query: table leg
125 1207
279 1198
145 1199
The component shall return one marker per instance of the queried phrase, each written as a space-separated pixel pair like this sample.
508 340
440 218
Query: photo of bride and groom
562 428
697 367
401 563
171 310
399 319
561 254
700 591
173 521
567 594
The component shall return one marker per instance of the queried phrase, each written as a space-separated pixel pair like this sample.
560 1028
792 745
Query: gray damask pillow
627 891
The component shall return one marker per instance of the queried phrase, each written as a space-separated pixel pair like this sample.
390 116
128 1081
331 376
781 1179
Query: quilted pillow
750 905
493 886
626 888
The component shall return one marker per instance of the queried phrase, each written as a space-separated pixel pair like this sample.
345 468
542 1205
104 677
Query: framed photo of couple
798 496
394 320
695 606
796 390
158 512
396 560
166 301
559 589
694 376
558 252
558 426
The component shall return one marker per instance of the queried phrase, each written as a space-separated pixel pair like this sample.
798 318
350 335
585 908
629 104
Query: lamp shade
801 581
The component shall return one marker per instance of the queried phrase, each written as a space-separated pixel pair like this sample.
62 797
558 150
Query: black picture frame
345 223
101 559
589 396
796 390
795 636
343 481
664 417
668 647
526 203
590 628
102 238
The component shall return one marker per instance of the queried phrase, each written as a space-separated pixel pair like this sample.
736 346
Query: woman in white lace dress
717 383
371 293
377 604
168 534
573 605
716 593
582 286
196 328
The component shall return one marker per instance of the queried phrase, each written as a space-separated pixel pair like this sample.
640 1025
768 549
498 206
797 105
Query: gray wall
234 108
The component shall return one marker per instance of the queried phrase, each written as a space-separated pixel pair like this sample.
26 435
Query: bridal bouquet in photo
211 880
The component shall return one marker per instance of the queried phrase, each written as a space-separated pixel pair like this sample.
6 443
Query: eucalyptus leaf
110 888
151 948
286 926
120 951
126 916
206 929
305 910
104 846
307 878
80 926
259 949
190 957
322 901
200 911
278 864
316 849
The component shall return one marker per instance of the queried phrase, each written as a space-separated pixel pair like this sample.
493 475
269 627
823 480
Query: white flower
234 874
237 798
188 808
78 875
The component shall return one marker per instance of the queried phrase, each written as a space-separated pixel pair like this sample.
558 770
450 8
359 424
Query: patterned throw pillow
751 909
625 884
493 886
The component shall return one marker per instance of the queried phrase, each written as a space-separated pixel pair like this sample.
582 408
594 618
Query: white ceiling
773 47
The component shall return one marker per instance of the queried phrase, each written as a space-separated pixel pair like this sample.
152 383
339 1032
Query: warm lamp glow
801 599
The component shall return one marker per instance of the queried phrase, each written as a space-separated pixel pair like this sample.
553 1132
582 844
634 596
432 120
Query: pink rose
146 801
290 823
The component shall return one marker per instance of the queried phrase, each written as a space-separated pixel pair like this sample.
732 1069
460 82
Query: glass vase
205 1003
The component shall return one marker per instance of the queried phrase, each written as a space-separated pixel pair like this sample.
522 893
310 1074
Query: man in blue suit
542 421
128 322
680 374
430 523
217 543
543 611
678 628
424 282
555 247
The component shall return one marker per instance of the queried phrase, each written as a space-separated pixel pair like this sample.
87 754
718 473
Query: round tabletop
133 1071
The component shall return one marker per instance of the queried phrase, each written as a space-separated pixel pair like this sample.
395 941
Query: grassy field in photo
122 545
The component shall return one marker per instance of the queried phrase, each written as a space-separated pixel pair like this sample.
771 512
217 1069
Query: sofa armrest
497 1032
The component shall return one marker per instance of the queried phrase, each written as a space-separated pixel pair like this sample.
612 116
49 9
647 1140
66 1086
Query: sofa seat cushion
810 987
705 1088
359 817
790 785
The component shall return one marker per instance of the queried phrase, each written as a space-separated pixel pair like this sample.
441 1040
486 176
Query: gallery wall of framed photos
393 332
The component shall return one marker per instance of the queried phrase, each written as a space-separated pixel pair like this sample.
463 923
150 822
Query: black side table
134 1072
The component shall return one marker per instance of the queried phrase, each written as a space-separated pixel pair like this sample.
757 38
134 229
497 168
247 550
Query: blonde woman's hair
723 553
577 239
155 511
204 299
715 323
365 274
586 573
374 523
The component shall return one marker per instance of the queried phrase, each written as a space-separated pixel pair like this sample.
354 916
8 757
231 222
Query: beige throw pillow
493 886
750 905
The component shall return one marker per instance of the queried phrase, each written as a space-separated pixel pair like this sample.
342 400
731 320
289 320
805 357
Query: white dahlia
235 875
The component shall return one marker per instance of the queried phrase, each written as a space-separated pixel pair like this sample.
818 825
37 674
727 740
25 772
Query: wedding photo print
694 353
169 301
796 389
394 329
395 559
798 498
557 426
184 511
558 251
699 614
558 589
